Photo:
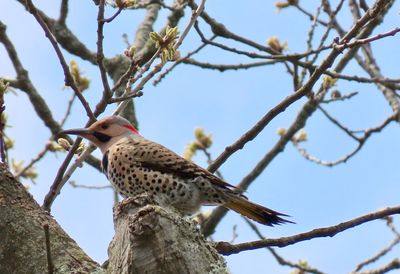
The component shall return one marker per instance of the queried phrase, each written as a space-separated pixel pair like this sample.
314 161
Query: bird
135 166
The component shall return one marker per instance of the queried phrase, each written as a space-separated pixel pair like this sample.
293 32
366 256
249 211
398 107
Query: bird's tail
255 212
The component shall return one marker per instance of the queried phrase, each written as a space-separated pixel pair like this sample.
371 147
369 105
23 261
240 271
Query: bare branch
340 98
75 185
109 20
377 256
107 94
361 142
196 12
69 80
58 182
307 110
338 124
224 67
385 250
310 15
228 249
179 61
359 42
24 84
280 259
36 159
63 12
305 89
395 264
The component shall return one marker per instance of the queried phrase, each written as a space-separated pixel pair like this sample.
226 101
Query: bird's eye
104 126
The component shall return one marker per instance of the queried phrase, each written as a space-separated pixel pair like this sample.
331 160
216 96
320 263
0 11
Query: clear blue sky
225 104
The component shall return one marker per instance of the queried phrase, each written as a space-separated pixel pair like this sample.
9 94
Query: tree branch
228 249
69 80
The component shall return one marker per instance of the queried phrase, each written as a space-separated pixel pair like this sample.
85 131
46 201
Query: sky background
226 105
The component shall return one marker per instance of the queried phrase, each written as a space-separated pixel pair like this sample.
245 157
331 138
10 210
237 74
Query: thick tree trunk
22 235
151 239
148 239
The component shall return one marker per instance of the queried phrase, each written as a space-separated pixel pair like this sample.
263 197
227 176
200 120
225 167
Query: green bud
3 86
156 38
281 131
328 82
64 144
82 82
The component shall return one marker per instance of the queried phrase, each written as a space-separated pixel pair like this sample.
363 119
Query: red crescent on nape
131 128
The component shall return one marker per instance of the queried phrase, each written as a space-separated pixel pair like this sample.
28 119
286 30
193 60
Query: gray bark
22 236
152 239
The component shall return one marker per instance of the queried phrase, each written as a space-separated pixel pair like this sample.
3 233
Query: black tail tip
272 219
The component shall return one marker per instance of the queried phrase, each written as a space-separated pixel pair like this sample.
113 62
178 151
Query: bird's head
105 132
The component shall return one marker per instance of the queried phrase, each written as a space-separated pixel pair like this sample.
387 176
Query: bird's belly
167 189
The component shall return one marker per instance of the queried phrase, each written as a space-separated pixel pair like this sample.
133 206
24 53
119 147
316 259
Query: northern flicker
135 165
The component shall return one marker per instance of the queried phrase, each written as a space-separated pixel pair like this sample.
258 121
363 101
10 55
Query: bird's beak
83 132
92 135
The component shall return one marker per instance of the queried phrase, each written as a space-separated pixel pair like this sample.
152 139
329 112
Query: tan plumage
135 165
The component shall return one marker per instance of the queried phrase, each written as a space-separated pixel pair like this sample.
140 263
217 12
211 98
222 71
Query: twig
107 94
338 124
68 110
359 42
310 15
341 98
50 264
395 264
179 61
24 84
63 174
289 57
69 80
224 67
132 69
195 13
210 160
75 185
332 21
63 12
307 110
59 181
306 88
355 10
128 92
228 249
109 20
382 252
62 178
42 153
36 159
310 34
294 58
372 68
141 40
361 142
234 234
135 92
65 36
279 258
